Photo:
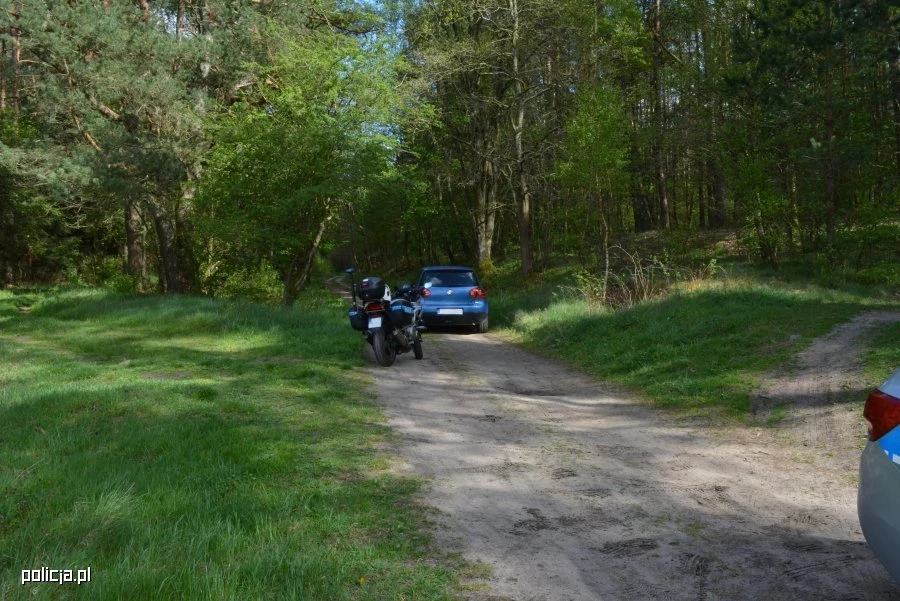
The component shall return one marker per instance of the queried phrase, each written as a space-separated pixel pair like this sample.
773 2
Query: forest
685 215
237 147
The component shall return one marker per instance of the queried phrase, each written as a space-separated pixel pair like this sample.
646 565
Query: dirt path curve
822 389
568 490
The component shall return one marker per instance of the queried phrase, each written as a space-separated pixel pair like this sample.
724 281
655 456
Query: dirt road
569 490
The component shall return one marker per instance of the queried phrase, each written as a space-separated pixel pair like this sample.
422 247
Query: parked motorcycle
392 325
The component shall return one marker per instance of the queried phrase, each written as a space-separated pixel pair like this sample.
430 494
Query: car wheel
482 327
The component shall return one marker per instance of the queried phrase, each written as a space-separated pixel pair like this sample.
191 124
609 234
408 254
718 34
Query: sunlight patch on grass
186 448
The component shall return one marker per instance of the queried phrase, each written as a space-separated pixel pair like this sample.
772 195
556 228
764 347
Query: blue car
878 501
452 296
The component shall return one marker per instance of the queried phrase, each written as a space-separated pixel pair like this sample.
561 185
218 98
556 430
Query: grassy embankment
700 348
185 448
883 356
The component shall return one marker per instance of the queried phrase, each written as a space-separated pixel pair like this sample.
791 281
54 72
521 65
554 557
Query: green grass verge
883 356
185 448
701 349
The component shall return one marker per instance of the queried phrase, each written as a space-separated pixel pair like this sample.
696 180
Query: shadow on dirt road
570 490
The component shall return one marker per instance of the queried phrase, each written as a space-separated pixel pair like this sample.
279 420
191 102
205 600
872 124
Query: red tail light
374 307
477 292
426 292
882 413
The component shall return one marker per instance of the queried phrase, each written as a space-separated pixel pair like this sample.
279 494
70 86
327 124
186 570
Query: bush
635 280
103 272
261 285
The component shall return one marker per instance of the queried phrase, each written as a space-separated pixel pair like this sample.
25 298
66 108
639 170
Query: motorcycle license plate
450 311
374 322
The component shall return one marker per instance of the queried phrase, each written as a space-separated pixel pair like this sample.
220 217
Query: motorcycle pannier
371 289
358 319
402 313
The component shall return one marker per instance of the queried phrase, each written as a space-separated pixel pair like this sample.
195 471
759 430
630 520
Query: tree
310 136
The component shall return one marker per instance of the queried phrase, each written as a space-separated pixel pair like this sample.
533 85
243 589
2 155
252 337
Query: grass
883 356
185 448
700 349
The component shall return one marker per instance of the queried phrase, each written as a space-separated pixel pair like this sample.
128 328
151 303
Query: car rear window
449 279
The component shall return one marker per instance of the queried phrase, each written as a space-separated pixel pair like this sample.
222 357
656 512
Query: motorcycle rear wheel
384 351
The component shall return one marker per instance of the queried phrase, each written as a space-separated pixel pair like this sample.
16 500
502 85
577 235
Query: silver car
878 501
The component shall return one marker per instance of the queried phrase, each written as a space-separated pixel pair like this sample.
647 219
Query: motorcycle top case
358 319
371 289
402 313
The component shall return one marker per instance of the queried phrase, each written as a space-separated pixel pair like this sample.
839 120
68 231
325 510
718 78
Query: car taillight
426 292
477 292
882 414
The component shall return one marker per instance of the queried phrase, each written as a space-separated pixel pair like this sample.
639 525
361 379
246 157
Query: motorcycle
392 325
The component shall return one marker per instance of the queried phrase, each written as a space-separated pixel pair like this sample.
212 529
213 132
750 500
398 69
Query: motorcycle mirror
351 270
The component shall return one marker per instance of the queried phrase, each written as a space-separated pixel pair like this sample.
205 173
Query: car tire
384 351
482 326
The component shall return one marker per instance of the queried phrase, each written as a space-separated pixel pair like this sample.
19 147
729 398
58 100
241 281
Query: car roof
446 268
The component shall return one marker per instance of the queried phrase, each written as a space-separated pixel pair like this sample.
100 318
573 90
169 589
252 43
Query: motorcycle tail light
374 307
477 292
882 414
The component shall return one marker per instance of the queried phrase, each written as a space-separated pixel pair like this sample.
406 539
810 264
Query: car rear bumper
877 503
432 318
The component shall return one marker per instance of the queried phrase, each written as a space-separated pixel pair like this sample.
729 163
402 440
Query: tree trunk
701 198
659 105
135 260
179 20
718 216
526 252
767 250
894 70
301 265
486 214
11 78
4 67
171 278
662 192
831 169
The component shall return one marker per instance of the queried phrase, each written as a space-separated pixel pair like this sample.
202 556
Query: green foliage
410 125
315 134
105 272
597 143
36 238
262 285
594 167
804 94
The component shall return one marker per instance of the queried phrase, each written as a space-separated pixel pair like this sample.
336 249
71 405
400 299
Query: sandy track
571 491
824 389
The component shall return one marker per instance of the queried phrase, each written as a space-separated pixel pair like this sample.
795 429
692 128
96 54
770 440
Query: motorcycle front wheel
417 349
384 351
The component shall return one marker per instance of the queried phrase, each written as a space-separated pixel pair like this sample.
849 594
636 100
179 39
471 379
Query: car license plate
374 322
450 311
